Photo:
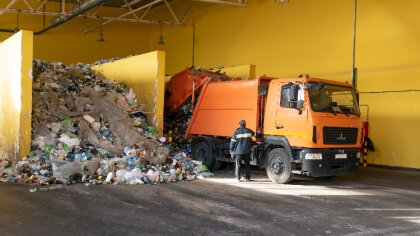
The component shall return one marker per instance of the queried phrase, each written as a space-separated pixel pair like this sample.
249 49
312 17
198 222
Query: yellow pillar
16 95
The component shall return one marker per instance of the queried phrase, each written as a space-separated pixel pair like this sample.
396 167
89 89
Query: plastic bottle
109 177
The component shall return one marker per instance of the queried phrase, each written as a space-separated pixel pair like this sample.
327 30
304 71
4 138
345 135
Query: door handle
279 126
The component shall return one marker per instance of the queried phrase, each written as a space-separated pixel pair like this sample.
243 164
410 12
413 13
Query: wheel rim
277 166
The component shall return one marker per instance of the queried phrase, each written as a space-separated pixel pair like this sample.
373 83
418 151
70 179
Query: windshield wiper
346 110
345 113
331 110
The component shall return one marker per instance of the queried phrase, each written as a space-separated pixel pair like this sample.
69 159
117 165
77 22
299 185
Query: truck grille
338 135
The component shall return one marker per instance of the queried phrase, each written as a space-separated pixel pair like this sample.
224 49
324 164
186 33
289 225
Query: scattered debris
175 128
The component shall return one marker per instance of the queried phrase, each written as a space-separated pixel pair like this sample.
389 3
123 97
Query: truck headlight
358 155
313 156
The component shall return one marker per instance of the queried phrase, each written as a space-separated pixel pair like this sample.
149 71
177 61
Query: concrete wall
16 95
315 37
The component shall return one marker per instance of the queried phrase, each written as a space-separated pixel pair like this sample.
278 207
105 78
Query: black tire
202 152
279 168
217 165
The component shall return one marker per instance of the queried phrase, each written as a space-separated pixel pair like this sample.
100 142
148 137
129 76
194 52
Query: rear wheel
202 152
278 166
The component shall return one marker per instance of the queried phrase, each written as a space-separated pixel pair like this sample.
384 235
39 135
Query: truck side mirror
299 104
293 96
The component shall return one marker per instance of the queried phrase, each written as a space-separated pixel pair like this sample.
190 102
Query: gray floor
372 202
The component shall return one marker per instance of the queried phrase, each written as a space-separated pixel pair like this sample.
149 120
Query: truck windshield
332 98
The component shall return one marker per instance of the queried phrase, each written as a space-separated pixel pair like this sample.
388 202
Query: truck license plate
340 156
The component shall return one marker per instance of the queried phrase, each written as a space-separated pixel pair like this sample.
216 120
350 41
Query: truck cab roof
316 80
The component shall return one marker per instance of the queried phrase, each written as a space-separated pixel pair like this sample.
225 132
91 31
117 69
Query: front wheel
279 168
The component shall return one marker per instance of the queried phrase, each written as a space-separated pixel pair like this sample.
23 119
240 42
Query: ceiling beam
239 3
63 7
171 11
58 14
128 13
8 6
130 8
96 10
131 3
186 15
28 5
145 13
36 10
42 4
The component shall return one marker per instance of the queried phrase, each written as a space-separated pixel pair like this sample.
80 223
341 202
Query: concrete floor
372 202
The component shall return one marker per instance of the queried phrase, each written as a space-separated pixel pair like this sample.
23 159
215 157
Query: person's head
242 123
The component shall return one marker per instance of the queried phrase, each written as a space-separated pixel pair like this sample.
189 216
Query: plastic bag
91 166
63 172
120 175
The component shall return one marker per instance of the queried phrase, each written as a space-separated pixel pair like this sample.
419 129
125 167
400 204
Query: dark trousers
246 158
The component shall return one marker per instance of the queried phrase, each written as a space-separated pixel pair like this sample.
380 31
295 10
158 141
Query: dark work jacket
241 141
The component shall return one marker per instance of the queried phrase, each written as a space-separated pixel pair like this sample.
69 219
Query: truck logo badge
341 137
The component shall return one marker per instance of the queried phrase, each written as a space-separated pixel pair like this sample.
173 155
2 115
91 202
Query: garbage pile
86 129
176 126
74 105
117 170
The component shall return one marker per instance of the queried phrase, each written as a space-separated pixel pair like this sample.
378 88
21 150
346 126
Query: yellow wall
146 75
315 37
178 47
16 95
245 71
389 59
66 44
281 40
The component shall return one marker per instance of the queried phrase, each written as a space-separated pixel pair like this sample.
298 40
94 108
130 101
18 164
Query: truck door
291 117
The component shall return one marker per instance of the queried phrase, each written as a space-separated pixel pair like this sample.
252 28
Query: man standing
240 145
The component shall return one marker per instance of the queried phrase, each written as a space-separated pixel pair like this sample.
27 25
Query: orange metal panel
222 104
182 86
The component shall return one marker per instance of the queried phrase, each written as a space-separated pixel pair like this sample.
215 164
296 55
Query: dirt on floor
372 202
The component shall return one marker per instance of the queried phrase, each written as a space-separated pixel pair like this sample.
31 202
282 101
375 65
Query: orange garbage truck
303 126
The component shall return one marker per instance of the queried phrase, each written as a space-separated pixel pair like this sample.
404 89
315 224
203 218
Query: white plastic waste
70 142
109 177
120 175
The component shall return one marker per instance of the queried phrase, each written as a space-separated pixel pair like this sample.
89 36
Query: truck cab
316 123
